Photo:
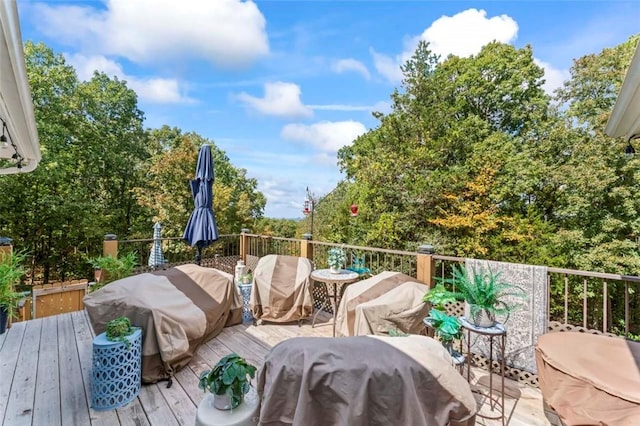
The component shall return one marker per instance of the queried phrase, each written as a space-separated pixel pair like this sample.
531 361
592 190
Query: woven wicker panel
557 326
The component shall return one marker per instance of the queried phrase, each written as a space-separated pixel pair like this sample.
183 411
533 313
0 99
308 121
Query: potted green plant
336 258
11 271
447 328
246 278
119 329
110 268
484 293
229 381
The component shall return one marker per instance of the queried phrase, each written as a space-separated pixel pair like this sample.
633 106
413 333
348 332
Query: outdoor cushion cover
364 380
178 309
384 302
590 379
281 289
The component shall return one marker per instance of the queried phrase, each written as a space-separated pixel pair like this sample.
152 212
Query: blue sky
280 86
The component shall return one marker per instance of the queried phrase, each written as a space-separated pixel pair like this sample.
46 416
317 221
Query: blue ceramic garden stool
245 290
116 371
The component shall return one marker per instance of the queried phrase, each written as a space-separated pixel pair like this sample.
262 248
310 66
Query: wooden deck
45 376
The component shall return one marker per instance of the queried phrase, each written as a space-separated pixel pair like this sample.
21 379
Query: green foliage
484 291
336 258
92 142
286 228
439 296
118 329
230 376
396 333
114 268
11 272
447 328
246 278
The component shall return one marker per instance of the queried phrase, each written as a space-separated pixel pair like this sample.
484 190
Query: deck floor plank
20 406
183 408
84 341
133 414
74 408
47 399
2 337
155 406
189 382
8 360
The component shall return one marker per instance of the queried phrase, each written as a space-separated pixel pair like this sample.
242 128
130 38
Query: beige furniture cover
363 380
386 301
281 289
178 309
590 379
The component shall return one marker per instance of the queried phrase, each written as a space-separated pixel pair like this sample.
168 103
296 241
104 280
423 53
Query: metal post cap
5 241
245 231
307 236
426 249
110 237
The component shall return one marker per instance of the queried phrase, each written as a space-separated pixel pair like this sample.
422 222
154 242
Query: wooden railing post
244 244
426 264
306 247
6 248
110 245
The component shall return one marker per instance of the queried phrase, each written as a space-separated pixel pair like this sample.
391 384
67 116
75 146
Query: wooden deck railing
585 300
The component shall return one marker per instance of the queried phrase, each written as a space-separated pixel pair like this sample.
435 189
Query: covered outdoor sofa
590 379
178 309
388 301
363 380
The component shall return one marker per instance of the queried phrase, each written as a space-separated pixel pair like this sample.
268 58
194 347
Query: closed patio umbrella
156 258
202 230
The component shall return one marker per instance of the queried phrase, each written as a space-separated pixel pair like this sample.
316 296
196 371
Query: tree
432 145
91 140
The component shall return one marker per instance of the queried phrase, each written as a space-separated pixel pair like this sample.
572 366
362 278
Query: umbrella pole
198 257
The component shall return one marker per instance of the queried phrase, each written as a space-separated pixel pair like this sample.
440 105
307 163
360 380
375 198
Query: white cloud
227 33
462 34
328 136
554 77
153 89
280 99
381 106
346 65
465 33
389 67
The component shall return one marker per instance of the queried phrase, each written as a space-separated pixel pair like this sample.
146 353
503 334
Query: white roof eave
625 117
16 104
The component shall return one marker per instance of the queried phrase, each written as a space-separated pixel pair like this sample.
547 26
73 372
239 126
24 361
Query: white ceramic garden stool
246 414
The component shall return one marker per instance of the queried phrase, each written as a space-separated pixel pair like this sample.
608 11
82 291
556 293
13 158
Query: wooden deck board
46 408
61 371
20 406
8 360
156 407
73 401
2 337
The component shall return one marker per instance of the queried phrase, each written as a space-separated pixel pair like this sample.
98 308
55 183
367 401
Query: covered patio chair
387 301
590 379
363 380
281 290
